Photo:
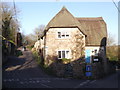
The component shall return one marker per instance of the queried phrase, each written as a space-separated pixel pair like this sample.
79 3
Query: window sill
62 38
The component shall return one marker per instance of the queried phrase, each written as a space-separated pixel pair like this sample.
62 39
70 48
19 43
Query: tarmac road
23 72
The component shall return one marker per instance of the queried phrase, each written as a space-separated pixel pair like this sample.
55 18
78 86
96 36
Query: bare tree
110 40
10 24
39 31
35 36
112 48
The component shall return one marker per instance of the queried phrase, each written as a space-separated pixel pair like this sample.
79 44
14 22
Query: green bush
30 46
18 53
65 60
37 57
112 53
45 68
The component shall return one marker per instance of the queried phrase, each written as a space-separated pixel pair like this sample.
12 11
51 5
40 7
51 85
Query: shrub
37 57
65 60
30 46
112 53
18 53
45 68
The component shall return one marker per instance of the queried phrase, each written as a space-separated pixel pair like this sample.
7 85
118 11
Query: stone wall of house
79 69
75 44
58 69
37 45
74 69
79 46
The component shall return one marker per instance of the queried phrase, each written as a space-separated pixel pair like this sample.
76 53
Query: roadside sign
88 56
88 74
88 68
96 60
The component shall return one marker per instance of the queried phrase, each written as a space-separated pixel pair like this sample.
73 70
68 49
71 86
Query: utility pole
116 6
16 21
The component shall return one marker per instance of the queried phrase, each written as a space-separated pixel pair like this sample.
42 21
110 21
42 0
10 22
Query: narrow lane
23 72
20 70
106 82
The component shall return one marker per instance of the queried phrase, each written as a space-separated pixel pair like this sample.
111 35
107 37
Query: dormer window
63 34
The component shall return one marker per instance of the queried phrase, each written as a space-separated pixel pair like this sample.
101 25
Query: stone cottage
71 43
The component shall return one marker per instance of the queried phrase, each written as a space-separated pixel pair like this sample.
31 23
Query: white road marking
17 79
27 81
5 80
30 81
93 81
44 81
45 85
37 81
81 84
21 83
47 79
9 80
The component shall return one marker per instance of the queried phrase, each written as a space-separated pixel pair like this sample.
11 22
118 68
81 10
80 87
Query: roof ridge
89 18
63 8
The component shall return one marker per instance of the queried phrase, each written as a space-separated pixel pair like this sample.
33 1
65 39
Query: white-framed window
96 52
59 34
63 54
67 34
63 34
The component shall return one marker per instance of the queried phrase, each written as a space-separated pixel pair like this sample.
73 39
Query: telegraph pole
16 21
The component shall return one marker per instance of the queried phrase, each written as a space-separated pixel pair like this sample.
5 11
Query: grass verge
44 68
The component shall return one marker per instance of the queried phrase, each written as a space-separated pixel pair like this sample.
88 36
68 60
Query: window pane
63 34
59 34
67 54
63 54
59 54
96 52
67 34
